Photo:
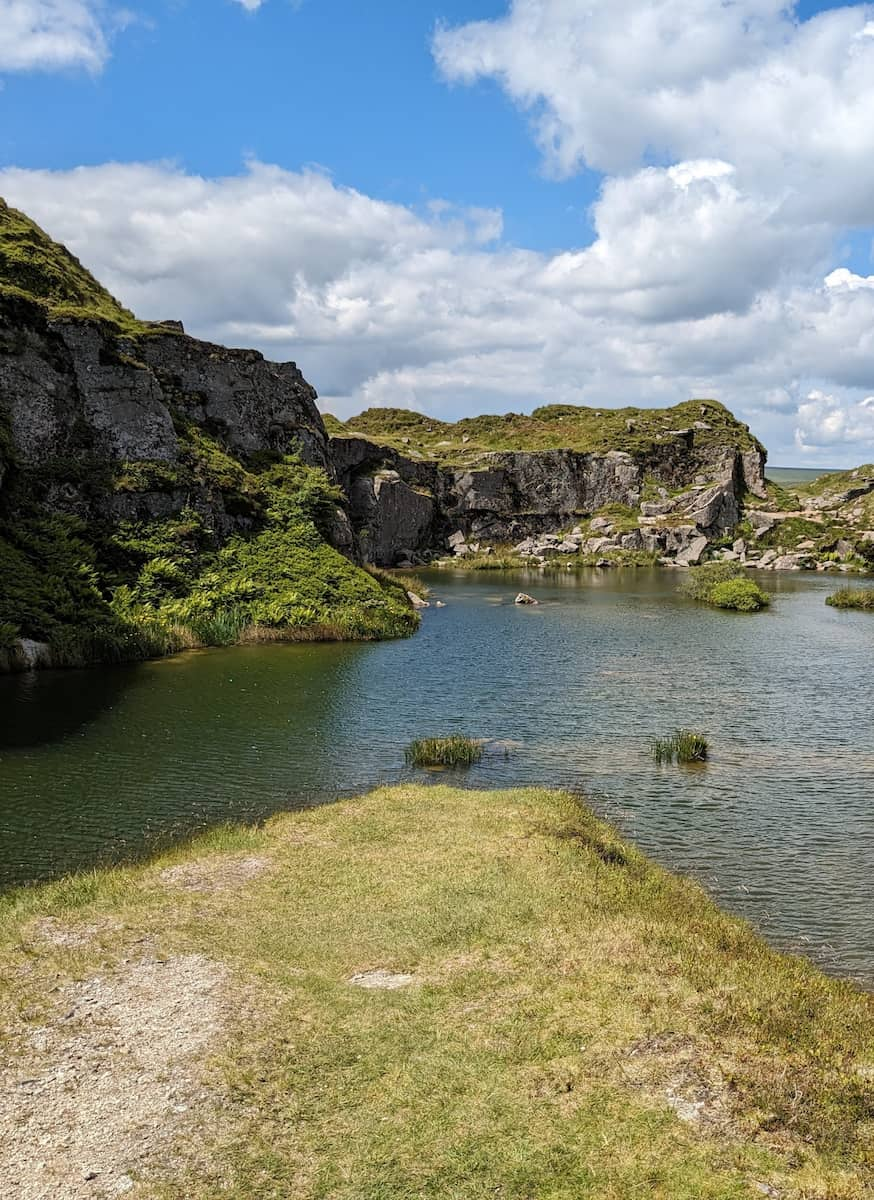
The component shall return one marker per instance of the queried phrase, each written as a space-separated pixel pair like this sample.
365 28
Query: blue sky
350 86
476 204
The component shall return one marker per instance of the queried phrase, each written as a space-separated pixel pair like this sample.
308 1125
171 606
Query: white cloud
51 35
383 305
832 423
612 82
845 280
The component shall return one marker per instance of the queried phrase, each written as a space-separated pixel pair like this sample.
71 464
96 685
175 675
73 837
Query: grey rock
692 555
524 598
792 562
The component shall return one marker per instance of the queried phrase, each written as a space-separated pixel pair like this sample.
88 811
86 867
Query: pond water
107 763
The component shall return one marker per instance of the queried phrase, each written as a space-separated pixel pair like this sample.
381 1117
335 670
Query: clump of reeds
848 597
683 746
455 751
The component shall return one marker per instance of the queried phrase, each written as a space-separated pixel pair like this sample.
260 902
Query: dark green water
102 764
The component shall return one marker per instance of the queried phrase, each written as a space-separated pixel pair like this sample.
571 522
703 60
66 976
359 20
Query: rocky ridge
674 490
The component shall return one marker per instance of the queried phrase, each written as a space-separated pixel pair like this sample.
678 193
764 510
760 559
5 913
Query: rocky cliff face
157 491
83 403
404 507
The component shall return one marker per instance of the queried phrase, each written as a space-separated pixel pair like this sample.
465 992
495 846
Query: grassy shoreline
570 1020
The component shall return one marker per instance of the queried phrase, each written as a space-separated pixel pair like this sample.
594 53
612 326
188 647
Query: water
103 764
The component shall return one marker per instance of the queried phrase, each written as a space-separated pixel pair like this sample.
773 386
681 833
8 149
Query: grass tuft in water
848 597
455 751
683 746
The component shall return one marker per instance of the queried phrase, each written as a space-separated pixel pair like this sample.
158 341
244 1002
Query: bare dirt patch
92 1100
214 874
678 1071
53 932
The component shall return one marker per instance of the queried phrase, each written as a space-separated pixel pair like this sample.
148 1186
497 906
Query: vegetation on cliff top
34 267
553 427
566 1018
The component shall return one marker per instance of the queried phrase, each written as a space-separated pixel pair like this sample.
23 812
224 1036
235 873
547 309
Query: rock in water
524 598
417 601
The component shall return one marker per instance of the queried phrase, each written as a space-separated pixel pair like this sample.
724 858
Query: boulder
417 601
656 508
792 562
691 556
524 598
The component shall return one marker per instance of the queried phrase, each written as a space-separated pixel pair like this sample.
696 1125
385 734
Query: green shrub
743 595
701 580
684 746
848 597
150 587
724 585
455 751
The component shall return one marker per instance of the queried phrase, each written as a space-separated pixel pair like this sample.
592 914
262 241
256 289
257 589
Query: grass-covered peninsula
423 992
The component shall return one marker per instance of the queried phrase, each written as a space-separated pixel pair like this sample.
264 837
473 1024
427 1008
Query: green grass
741 595
565 993
724 585
142 589
454 751
683 746
488 562
847 597
552 427
34 267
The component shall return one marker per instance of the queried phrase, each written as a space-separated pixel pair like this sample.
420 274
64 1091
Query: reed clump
683 746
455 751
848 597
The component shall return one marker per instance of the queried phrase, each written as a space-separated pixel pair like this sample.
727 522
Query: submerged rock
524 598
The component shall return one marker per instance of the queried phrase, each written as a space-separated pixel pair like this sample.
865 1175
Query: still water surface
102 764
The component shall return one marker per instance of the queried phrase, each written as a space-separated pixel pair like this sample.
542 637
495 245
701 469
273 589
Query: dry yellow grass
448 993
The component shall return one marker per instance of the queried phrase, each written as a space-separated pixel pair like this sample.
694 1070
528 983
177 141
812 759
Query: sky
466 206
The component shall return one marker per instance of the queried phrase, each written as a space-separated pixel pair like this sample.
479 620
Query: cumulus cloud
51 35
381 304
831 423
610 85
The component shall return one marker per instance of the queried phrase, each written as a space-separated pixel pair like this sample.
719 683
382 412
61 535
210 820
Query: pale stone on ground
385 980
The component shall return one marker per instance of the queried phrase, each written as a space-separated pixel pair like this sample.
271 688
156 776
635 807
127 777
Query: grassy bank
431 992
